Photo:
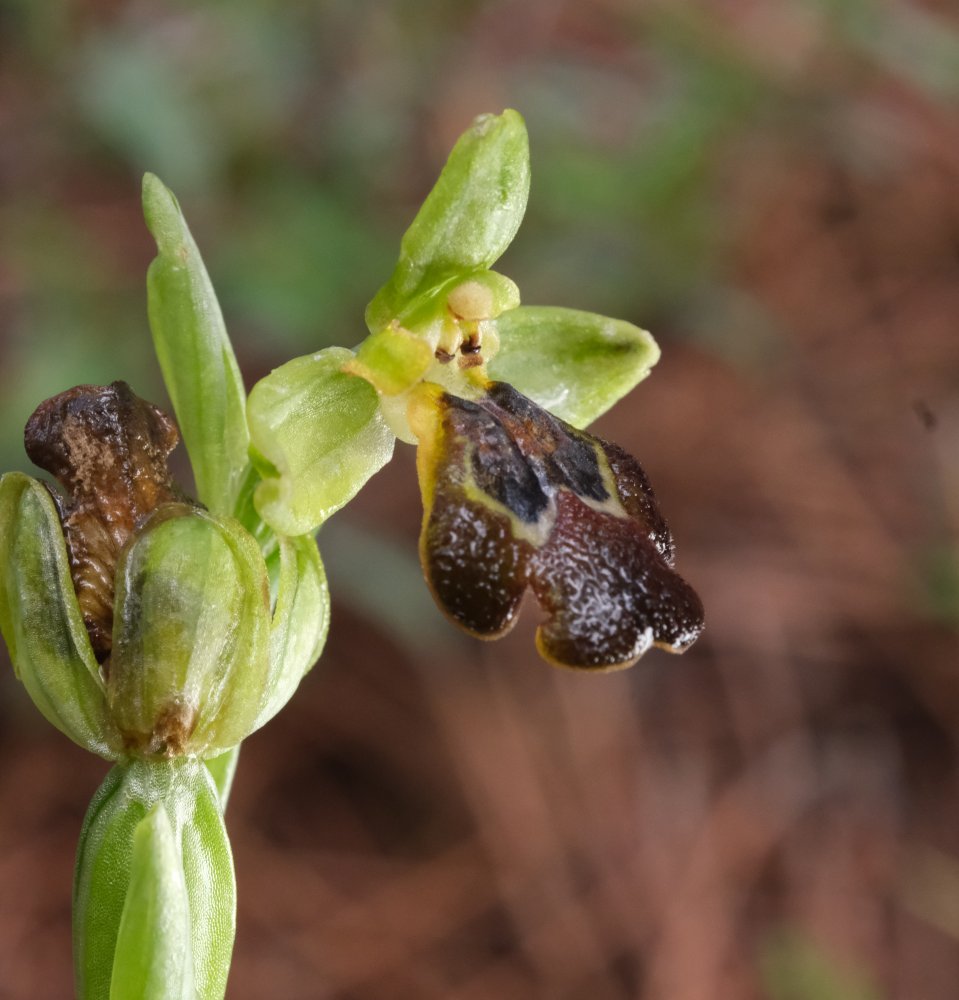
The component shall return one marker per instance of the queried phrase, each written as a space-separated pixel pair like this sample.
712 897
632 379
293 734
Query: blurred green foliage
795 968
939 573
300 137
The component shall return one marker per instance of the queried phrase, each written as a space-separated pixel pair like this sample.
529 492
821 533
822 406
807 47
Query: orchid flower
494 395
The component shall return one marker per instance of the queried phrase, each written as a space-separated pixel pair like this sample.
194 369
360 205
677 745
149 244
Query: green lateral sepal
195 354
301 619
318 435
574 364
154 908
468 219
41 621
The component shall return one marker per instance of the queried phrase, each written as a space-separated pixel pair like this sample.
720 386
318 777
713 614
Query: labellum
516 498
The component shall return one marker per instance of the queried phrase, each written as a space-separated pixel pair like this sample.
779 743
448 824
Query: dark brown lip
521 500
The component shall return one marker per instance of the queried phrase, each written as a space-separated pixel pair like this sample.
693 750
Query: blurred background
772 188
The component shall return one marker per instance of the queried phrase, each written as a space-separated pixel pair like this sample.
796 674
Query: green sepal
222 770
154 959
574 364
41 620
318 436
190 663
301 619
105 876
195 355
468 219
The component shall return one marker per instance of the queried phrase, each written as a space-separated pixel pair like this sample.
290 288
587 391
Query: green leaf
154 959
195 354
319 436
41 620
468 219
301 619
190 663
574 364
105 872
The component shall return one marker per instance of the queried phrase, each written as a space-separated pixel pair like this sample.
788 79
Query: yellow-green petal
393 359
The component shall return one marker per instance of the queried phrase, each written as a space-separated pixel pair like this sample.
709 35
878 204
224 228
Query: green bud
318 436
41 620
154 891
574 364
190 668
468 219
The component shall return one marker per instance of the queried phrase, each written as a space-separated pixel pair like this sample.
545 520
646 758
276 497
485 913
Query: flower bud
189 664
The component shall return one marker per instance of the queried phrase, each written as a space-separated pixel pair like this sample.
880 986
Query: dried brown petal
516 498
108 448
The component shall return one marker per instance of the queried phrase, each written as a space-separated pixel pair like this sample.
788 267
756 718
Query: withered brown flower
515 498
108 449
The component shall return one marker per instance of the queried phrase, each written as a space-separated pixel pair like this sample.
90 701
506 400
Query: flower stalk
156 631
